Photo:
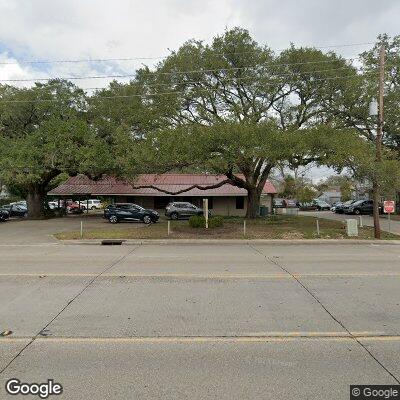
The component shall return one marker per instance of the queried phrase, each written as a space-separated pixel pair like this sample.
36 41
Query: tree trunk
253 203
35 201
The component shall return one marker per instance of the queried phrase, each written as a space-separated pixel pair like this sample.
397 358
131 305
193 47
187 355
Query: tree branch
215 186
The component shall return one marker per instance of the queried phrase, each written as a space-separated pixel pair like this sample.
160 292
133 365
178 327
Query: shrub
197 221
215 222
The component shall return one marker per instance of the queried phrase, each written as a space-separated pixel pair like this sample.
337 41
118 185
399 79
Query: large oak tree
235 107
44 132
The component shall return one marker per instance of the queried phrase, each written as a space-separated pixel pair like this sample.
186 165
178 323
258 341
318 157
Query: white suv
93 204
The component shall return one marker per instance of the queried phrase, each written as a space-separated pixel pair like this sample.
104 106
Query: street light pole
379 131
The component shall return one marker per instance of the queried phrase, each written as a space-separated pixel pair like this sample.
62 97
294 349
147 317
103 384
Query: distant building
224 200
331 196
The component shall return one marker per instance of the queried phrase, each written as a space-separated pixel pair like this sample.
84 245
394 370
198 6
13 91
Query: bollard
169 227
244 227
317 227
361 221
81 229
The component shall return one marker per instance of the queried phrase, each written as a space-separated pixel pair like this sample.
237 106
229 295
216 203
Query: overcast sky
90 29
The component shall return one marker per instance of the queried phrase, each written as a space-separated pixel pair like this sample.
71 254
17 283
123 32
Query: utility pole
379 131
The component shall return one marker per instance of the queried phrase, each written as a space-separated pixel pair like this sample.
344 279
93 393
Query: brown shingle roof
110 186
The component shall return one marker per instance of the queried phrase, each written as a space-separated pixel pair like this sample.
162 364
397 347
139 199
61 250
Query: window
239 203
161 202
124 206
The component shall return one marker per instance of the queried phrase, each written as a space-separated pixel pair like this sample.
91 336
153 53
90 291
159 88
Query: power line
171 72
165 93
233 79
98 60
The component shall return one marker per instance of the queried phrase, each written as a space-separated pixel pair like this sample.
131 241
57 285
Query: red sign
388 206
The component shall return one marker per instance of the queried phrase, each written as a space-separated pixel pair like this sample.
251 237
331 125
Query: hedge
198 221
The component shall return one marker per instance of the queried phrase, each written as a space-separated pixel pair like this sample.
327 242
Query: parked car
278 203
321 205
285 203
15 210
289 203
53 205
308 206
339 209
93 204
361 207
315 205
4 215
20 203
130 212
334 205
74 208
178 209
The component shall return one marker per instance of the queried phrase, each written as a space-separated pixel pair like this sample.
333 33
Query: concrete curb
136 242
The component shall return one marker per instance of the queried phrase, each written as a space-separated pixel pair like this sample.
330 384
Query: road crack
43 330
332 316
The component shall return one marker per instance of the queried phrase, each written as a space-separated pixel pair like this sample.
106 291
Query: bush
197 221
215 222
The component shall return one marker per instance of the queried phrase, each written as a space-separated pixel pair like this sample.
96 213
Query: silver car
178 209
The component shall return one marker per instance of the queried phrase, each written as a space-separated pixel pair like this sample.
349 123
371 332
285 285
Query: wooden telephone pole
379 131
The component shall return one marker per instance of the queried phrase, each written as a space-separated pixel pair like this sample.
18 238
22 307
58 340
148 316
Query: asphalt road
367 220
200 322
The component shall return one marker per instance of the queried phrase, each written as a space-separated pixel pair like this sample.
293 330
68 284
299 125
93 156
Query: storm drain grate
110 242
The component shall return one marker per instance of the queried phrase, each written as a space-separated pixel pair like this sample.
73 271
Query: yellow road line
203 339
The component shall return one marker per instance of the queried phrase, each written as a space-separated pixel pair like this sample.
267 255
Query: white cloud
89 29
10 70
76 29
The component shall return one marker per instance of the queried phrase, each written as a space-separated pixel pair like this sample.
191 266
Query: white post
81 229
361 221
169 227
205 211
317 227
389 221
244 227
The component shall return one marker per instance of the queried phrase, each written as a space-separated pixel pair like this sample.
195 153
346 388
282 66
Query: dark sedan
362 207
130 212
341 207
4 215
16 210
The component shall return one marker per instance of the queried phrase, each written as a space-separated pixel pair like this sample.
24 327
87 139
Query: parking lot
200 322
367 220
23 231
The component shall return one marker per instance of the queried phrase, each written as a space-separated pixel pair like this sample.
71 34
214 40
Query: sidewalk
130 242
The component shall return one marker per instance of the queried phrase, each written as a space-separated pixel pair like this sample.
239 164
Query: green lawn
274 227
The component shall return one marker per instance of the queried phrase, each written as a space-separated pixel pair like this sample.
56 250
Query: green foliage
298 188
305 194
198 221
226 116
289 187
215 222
232 107
45 134
346 190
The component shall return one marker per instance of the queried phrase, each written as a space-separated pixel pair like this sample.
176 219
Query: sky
98 29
